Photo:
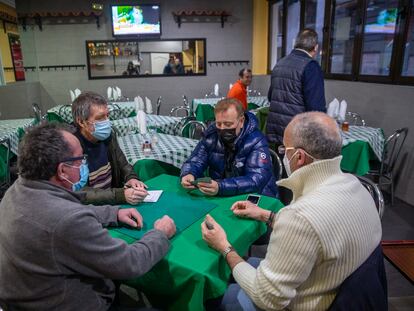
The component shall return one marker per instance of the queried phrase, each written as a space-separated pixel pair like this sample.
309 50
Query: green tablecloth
174 150
261 115
192 272
356 157
183 208
204 107
148 168
164 124
205 113
11 130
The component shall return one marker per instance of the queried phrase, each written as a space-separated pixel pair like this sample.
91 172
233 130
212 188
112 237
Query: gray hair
306 40
42 149
81 106
317 134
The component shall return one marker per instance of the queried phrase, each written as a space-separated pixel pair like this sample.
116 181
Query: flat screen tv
136 20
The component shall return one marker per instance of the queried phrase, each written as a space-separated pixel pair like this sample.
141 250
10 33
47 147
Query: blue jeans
235 298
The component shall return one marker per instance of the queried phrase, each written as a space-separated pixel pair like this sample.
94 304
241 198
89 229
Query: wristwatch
227 251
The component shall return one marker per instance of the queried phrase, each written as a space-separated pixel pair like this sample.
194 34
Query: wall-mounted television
143 20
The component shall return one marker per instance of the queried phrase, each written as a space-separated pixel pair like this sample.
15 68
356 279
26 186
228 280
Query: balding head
316 133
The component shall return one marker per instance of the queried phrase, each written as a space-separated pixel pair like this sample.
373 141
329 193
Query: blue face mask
84 175
102 129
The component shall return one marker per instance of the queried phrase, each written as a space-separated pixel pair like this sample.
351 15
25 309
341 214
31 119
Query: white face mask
286 163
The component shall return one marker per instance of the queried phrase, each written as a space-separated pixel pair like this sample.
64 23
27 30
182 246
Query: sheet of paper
153 196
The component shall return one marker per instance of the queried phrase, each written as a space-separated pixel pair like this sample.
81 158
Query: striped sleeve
291 256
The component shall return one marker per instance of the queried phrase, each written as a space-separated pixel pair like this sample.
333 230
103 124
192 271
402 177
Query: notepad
153 196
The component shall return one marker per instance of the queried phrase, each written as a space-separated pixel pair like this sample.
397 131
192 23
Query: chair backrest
115 112
366 288
392 150
178 126
62 110
37 112
158 107
276 164
354 118
175 111
195 129
185 101
375 192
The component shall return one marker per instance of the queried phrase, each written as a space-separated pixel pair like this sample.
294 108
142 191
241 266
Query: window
360 40
408 56
378 37
293 24
314 17
276 32
342 40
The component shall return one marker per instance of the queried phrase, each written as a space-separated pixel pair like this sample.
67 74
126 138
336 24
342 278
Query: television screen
136 20
384 24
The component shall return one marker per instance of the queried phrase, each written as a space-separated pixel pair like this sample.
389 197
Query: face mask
286 163
227 136
102 130
84 175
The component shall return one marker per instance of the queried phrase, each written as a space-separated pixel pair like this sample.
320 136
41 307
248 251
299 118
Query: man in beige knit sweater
330 228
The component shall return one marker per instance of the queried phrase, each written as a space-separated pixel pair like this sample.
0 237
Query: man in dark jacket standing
112 179
235 152
55 253
296 86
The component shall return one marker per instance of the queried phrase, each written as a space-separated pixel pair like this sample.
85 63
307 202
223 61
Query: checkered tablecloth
373 136
165 124
170 149
260 101
9 129
127 108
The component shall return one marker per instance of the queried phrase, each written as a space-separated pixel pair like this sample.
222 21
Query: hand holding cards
202 179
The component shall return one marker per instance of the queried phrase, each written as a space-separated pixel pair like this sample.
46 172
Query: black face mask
227 136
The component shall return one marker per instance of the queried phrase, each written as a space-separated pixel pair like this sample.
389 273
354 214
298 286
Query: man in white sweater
329 229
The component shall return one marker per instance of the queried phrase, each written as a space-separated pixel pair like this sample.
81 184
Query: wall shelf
7 19
61 67
228 62
58 18
200 16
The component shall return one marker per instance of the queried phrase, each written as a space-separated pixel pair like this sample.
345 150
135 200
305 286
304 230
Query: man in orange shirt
239 89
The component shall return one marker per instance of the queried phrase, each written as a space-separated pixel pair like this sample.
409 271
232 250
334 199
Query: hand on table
131 217
210 189
186 181
247 209
215 238
136 184
166 225
133 196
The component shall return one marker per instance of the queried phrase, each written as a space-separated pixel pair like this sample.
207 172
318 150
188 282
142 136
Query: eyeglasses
84 159
282 149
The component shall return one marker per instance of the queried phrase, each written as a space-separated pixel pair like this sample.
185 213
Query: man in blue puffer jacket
236 154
